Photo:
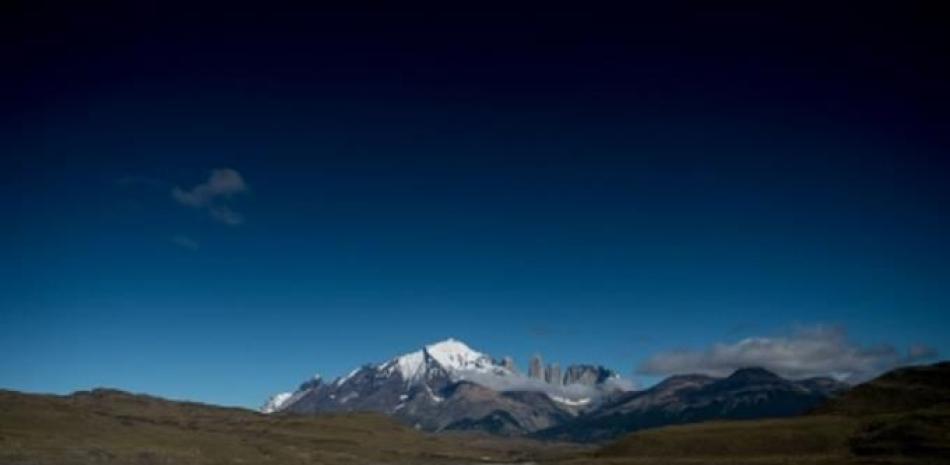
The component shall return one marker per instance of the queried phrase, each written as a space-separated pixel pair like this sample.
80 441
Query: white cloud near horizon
213 195
805 352
522 382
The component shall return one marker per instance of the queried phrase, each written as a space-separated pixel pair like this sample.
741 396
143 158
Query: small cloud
807 352
185 242
919 352
213 195
226 215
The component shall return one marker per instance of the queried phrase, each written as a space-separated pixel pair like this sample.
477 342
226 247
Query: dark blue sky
599 187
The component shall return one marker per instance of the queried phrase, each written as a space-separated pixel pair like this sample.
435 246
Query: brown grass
110 427
809 440
113 427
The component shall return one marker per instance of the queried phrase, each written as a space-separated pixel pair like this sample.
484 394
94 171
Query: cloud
919 352
806 352
185 242
214 194
225 215
521 382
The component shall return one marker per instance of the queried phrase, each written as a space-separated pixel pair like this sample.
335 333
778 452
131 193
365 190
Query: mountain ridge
448 385
748 393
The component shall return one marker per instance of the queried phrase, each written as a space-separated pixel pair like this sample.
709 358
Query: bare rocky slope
749 393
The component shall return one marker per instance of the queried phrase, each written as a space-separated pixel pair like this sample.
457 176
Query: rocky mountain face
449 386
588 375
746 394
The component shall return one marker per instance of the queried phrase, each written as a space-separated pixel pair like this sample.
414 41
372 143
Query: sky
217 204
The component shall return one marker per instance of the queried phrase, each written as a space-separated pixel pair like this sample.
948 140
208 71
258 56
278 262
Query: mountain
746 394
588 375
449 386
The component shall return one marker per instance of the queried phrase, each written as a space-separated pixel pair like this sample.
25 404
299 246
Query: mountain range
748 393
448 386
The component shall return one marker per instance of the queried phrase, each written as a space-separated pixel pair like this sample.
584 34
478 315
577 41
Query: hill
108 426
901 390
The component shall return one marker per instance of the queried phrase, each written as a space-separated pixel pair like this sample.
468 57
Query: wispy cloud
214 194
812 351
521 382
185 242
225 214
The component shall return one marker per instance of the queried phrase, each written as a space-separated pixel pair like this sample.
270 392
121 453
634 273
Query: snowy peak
449 356
276 402
411 366
453 355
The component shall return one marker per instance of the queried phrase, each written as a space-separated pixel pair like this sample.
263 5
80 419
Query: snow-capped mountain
276 402
448 385
447 357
